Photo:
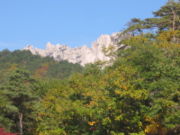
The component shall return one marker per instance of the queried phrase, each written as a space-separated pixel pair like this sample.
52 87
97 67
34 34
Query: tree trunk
21 123
174 19
173 24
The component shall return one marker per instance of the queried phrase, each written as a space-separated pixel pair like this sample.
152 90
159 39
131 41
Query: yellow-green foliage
138 94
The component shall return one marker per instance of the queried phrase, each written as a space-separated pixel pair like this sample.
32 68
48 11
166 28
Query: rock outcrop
82 55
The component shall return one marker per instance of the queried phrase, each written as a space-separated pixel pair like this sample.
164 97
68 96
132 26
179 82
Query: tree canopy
138 93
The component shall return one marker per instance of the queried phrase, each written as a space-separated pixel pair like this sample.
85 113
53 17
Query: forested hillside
139 94
38 66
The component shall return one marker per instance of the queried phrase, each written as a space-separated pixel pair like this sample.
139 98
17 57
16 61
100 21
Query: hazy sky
70 22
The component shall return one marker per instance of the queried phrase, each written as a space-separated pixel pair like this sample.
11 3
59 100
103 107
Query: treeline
39 67
139 94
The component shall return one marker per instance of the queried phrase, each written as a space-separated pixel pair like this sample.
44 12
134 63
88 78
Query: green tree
166 18
21 90
5 108
158 66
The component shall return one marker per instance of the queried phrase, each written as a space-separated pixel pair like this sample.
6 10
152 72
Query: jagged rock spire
82 55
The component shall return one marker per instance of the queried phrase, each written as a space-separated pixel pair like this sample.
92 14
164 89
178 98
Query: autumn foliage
138 93
2 132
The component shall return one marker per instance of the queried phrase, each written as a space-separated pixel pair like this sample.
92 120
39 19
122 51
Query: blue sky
70 22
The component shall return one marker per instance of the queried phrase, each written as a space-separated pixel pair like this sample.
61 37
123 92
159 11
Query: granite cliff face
82 55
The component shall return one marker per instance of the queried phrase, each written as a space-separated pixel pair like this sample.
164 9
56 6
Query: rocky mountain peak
82 55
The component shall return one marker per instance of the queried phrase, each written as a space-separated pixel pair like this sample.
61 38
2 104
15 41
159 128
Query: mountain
81 55
40 67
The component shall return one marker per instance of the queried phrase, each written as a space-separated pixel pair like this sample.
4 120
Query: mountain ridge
81 55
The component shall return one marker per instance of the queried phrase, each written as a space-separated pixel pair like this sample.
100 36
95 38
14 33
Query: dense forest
137 94
38 66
